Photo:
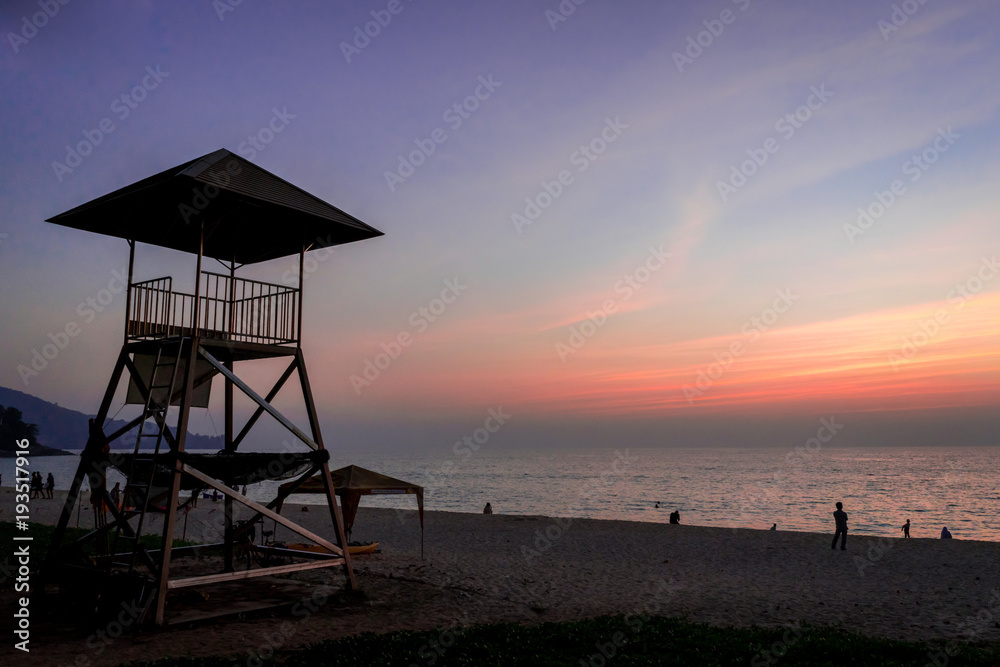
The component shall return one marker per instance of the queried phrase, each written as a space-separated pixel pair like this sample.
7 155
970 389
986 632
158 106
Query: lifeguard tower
219 206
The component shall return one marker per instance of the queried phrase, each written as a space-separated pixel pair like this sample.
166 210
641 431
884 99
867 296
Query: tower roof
250 215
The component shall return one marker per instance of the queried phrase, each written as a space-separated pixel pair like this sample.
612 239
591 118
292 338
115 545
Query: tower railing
237 309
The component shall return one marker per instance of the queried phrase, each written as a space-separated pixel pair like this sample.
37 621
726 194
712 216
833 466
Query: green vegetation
13 428
610 640
41 535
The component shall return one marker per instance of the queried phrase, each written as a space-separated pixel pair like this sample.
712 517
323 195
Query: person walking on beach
840 516
945 533
906 529
50 485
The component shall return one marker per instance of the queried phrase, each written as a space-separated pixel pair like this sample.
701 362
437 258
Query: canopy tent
352 482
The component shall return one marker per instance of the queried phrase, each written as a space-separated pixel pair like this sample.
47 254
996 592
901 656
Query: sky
617 224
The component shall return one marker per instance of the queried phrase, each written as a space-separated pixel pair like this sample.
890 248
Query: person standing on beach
906 529
840 516
50 485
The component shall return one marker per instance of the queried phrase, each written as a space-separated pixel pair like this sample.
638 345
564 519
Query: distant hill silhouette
67 429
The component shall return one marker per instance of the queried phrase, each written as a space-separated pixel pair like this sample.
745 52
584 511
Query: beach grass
610 640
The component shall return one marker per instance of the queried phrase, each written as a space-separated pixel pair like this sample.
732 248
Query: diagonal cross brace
287 523
256 398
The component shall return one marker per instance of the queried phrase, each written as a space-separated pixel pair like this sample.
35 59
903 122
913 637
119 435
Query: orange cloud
888 360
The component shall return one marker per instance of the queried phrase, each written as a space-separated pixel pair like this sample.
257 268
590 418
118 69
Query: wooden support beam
296 553
280 498
191 550
250 574
77 484
257 399
287 523
170 520
329 491
260 410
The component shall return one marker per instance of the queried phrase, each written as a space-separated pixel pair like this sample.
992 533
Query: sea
957 487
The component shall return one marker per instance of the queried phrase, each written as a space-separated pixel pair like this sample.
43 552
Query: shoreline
292 510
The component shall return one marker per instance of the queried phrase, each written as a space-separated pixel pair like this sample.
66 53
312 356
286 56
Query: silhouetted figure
945 534
675 516
840 516
657 505
906 529
774 526
488 509
50 485
116 495
36 484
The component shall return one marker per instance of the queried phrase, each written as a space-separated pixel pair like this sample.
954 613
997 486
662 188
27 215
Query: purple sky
822 106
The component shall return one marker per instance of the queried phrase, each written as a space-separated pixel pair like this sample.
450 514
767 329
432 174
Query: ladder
161 388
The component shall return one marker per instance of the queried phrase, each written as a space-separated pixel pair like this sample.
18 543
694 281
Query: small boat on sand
353 549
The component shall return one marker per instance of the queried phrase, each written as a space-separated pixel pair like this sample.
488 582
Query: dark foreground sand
480 568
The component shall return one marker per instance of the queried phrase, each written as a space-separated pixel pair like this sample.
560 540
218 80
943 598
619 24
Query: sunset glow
583 222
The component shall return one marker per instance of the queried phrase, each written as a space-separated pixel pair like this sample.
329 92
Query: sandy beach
480 568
